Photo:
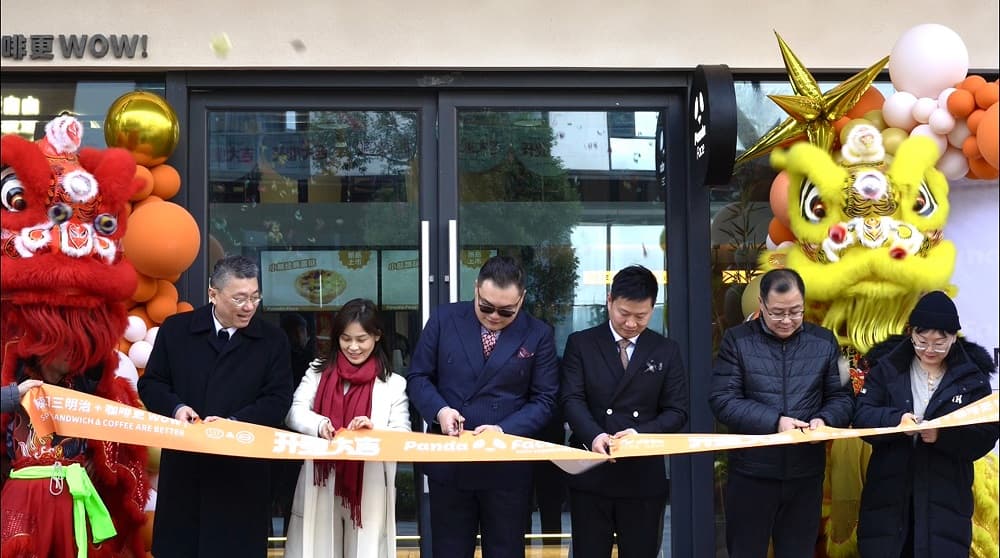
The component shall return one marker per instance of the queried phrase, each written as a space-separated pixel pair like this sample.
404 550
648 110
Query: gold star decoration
811 112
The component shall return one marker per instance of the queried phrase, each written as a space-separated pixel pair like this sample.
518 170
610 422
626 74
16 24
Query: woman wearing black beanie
917 500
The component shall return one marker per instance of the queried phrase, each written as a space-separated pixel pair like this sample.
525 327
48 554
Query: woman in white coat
346 509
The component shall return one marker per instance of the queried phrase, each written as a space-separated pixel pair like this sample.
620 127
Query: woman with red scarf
346 509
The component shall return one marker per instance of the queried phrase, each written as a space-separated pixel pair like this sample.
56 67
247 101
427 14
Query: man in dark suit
618 379
219 361
483 365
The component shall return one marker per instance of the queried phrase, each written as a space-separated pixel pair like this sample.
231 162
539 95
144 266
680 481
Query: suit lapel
510 340
468 328
643 346
608 349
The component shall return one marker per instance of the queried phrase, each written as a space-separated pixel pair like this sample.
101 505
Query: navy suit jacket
597 396
515 388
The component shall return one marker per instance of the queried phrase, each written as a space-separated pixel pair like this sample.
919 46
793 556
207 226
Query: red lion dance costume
64 283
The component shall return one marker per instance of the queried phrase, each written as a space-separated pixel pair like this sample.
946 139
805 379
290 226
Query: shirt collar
619 337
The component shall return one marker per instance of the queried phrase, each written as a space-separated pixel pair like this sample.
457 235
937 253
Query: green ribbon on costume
87 503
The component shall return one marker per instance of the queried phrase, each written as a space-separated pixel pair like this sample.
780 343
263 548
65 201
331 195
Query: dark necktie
489 341
224 335
623 345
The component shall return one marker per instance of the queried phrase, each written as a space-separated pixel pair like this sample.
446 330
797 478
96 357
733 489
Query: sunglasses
487 308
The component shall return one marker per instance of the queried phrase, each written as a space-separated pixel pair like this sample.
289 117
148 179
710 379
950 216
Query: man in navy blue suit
618 379
483 365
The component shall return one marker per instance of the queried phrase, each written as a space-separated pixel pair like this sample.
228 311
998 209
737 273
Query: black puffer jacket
936 478
758 378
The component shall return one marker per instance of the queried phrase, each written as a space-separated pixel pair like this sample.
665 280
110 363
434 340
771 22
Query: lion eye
925 204
105 223
811 205
12 192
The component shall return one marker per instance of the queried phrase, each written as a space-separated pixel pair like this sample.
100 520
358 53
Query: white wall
492 34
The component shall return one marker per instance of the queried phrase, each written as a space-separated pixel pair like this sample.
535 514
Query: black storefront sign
47 47
712 125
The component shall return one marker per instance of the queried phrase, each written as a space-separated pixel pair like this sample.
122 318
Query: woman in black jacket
917 500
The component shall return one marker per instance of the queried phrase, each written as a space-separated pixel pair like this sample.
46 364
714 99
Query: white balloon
941 121
923 108
927 59
151 335
786 244
126 368
925 130
769 243
897 111
958 134
139 353
943 97
953 164
135 330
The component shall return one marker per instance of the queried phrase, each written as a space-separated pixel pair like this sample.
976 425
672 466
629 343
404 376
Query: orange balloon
141 312
161 308
839 124
987 95
974 119
143 174
872 99
166 181
961 103
167 289
779 232
972 83
970 148
779 199
149 199
184 306
123 345
162 239
145 289
988 135
215 251
982 169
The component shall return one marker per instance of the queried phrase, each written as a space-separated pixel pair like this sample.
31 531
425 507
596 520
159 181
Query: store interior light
9 126
11 105
30 106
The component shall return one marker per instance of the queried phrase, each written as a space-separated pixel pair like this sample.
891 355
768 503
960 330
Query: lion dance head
869 232
63 278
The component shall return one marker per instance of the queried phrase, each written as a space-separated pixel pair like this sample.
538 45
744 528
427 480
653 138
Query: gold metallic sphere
145 125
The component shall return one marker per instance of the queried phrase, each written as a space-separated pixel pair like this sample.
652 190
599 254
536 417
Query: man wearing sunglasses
480 366
773 374
618 379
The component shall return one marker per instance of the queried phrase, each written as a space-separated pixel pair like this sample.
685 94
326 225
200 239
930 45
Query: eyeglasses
487 308
241 301
790 315
939 348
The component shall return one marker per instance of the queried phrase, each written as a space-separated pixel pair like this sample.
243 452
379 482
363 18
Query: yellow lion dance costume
869 243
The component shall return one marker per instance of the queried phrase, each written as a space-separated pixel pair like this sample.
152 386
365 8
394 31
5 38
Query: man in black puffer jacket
773 374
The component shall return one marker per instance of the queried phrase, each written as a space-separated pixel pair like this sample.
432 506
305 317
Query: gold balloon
145 125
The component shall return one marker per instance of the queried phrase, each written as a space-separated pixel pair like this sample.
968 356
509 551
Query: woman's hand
360 423
326 430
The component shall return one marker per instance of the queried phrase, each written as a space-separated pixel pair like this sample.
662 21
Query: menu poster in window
315 280
400 279
468 270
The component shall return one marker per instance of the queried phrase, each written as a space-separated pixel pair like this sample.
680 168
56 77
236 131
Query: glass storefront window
574 196
327 202
28 106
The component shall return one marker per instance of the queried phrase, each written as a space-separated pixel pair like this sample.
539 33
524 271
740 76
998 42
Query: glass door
574 188
325 194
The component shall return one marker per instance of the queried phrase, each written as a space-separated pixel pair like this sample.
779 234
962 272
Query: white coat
313 530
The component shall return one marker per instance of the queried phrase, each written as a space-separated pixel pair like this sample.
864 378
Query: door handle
425 272
452 277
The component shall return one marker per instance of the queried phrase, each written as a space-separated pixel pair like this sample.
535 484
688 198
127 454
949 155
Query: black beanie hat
935 310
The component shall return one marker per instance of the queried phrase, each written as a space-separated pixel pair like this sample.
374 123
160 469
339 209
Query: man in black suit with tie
619 379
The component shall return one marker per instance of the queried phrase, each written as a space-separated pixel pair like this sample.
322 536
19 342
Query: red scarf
341 408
